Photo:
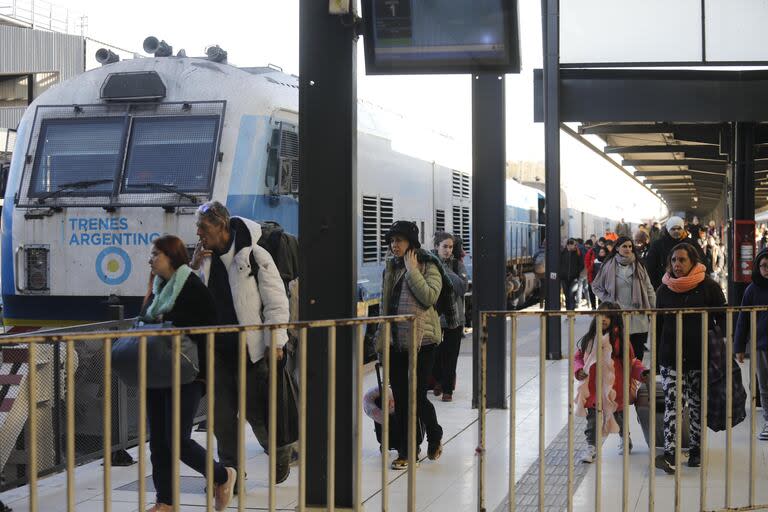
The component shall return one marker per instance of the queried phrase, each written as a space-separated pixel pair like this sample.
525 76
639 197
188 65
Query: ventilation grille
465 192
439 221
370 229
465 228
456 184
386 218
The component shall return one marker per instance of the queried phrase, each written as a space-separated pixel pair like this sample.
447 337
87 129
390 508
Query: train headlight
37 268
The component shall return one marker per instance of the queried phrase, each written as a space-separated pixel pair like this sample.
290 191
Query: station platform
451 482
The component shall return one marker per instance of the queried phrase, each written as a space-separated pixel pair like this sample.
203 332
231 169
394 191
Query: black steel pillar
488 208
551 36
743 183
327 228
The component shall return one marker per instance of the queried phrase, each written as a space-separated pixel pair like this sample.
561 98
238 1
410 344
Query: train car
109 160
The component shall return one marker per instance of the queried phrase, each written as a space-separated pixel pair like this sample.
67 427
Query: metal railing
654 314
70 339
41 14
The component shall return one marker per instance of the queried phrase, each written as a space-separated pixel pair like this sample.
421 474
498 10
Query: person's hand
411 263
198 256
580 375
740 357
279 352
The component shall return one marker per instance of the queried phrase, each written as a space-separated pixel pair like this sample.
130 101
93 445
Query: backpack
446 303
283 248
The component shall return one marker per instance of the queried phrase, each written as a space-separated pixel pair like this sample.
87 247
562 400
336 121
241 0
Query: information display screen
441 36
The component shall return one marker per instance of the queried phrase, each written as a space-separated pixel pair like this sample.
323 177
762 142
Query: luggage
642 407
394 438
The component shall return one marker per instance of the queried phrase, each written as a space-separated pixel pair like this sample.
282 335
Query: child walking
612 387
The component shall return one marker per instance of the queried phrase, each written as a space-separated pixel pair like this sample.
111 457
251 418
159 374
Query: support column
327 228
551 33
743 182
488 242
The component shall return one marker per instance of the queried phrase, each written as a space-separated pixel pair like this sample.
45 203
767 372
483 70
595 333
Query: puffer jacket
425 285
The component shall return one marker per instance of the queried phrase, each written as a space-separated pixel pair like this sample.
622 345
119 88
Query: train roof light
136 86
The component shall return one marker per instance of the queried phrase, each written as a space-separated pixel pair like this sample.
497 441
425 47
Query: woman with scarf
411 286
624 280
756 294
612 362
177 295
684 285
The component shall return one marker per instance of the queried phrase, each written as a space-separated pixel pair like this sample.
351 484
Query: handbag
717 396
125 359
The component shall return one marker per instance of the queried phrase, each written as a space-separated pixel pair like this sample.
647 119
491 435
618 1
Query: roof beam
632 128
699 163
692 172
691 151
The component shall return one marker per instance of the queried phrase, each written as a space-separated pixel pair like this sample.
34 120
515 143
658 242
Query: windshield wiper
165 188
72 186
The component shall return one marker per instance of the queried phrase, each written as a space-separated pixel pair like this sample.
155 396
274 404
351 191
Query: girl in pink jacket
612 387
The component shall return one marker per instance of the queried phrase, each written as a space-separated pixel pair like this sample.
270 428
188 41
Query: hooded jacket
571 265
756 294
258 294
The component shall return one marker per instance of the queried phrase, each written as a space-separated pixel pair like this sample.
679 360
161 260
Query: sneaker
694 457
589 454
434 450
399 464
666 463
437 390
447 397
282 472
763 436
160 507
621 445
223 493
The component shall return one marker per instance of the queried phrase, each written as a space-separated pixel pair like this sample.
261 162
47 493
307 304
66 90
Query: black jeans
160 414
446 359
571 292
424 408
592 297
591 431
226 409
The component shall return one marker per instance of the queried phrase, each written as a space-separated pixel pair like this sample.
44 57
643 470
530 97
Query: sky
259 32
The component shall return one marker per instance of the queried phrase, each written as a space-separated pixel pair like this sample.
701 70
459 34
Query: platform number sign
393 21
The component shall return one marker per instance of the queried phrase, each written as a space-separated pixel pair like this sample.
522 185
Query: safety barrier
69 339
654 314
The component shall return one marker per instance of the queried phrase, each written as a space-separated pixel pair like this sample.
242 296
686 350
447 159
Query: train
111 159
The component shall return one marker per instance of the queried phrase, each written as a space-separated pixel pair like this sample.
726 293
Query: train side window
283 170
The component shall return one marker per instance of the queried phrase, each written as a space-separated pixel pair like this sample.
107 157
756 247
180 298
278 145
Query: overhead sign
441 36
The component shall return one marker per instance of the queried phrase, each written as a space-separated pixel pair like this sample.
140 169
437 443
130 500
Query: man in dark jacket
656 261
571 265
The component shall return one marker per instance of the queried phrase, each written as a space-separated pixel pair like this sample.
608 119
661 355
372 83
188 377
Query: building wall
50 56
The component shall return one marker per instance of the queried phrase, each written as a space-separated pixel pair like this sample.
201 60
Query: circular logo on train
113 266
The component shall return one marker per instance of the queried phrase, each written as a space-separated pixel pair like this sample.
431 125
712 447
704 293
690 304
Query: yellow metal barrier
678 315
69 339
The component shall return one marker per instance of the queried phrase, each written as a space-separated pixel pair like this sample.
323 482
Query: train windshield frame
122 155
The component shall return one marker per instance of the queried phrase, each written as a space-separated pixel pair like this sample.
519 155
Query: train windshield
171 151
78 151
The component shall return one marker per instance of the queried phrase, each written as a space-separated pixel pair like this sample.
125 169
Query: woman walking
623 280
411 286
756 294
448 351
685 285
178 296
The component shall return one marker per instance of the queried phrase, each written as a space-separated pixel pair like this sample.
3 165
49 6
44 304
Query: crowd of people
678 266
231 279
